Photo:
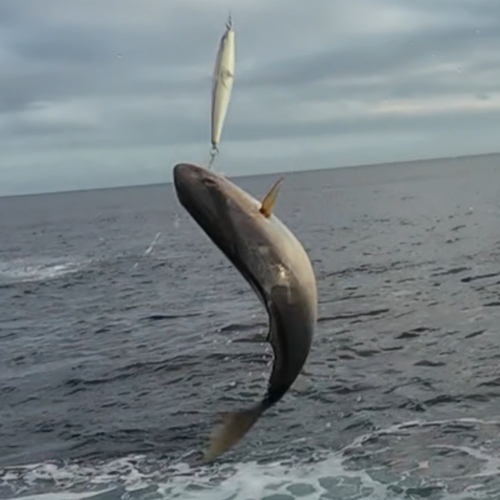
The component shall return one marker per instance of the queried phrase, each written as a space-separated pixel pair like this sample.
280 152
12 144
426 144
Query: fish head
223 210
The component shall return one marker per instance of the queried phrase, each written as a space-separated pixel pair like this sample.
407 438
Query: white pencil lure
222 86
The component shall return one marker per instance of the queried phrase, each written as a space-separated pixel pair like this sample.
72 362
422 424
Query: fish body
273 262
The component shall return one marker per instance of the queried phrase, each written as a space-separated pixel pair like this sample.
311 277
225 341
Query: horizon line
248 176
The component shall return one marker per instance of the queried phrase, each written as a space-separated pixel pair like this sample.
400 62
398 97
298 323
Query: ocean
124 331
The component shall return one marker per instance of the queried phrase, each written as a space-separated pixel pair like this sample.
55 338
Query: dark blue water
124 331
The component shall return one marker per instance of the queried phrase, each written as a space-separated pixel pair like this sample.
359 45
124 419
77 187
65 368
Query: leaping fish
276 266
222 86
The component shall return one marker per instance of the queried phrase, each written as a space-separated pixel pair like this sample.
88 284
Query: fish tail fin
232 429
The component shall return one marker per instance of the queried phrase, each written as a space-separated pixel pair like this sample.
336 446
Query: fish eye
209 183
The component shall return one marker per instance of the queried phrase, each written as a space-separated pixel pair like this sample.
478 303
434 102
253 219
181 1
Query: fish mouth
189 182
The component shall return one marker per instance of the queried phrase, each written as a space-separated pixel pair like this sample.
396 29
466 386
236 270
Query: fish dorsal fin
266 209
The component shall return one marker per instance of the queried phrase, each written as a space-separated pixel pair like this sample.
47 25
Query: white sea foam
37 269
472 472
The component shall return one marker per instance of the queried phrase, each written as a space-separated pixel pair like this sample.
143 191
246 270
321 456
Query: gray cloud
120 83
383 55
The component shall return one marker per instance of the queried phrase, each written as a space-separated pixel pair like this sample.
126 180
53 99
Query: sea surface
124 331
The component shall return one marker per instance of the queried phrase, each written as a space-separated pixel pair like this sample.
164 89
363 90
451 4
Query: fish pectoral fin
270 198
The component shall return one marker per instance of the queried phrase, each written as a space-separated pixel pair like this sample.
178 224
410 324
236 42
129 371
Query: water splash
150 250
379 465
37 269
152 246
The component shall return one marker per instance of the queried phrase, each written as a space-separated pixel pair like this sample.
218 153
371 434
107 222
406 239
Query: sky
99 93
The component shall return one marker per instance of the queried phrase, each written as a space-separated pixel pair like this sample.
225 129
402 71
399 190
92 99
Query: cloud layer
112 92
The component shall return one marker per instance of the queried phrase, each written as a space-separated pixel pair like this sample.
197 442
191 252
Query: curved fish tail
233 427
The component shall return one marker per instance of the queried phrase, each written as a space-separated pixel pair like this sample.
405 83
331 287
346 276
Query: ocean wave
417 459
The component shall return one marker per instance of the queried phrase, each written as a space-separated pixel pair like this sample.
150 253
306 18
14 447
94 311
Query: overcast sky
98 93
